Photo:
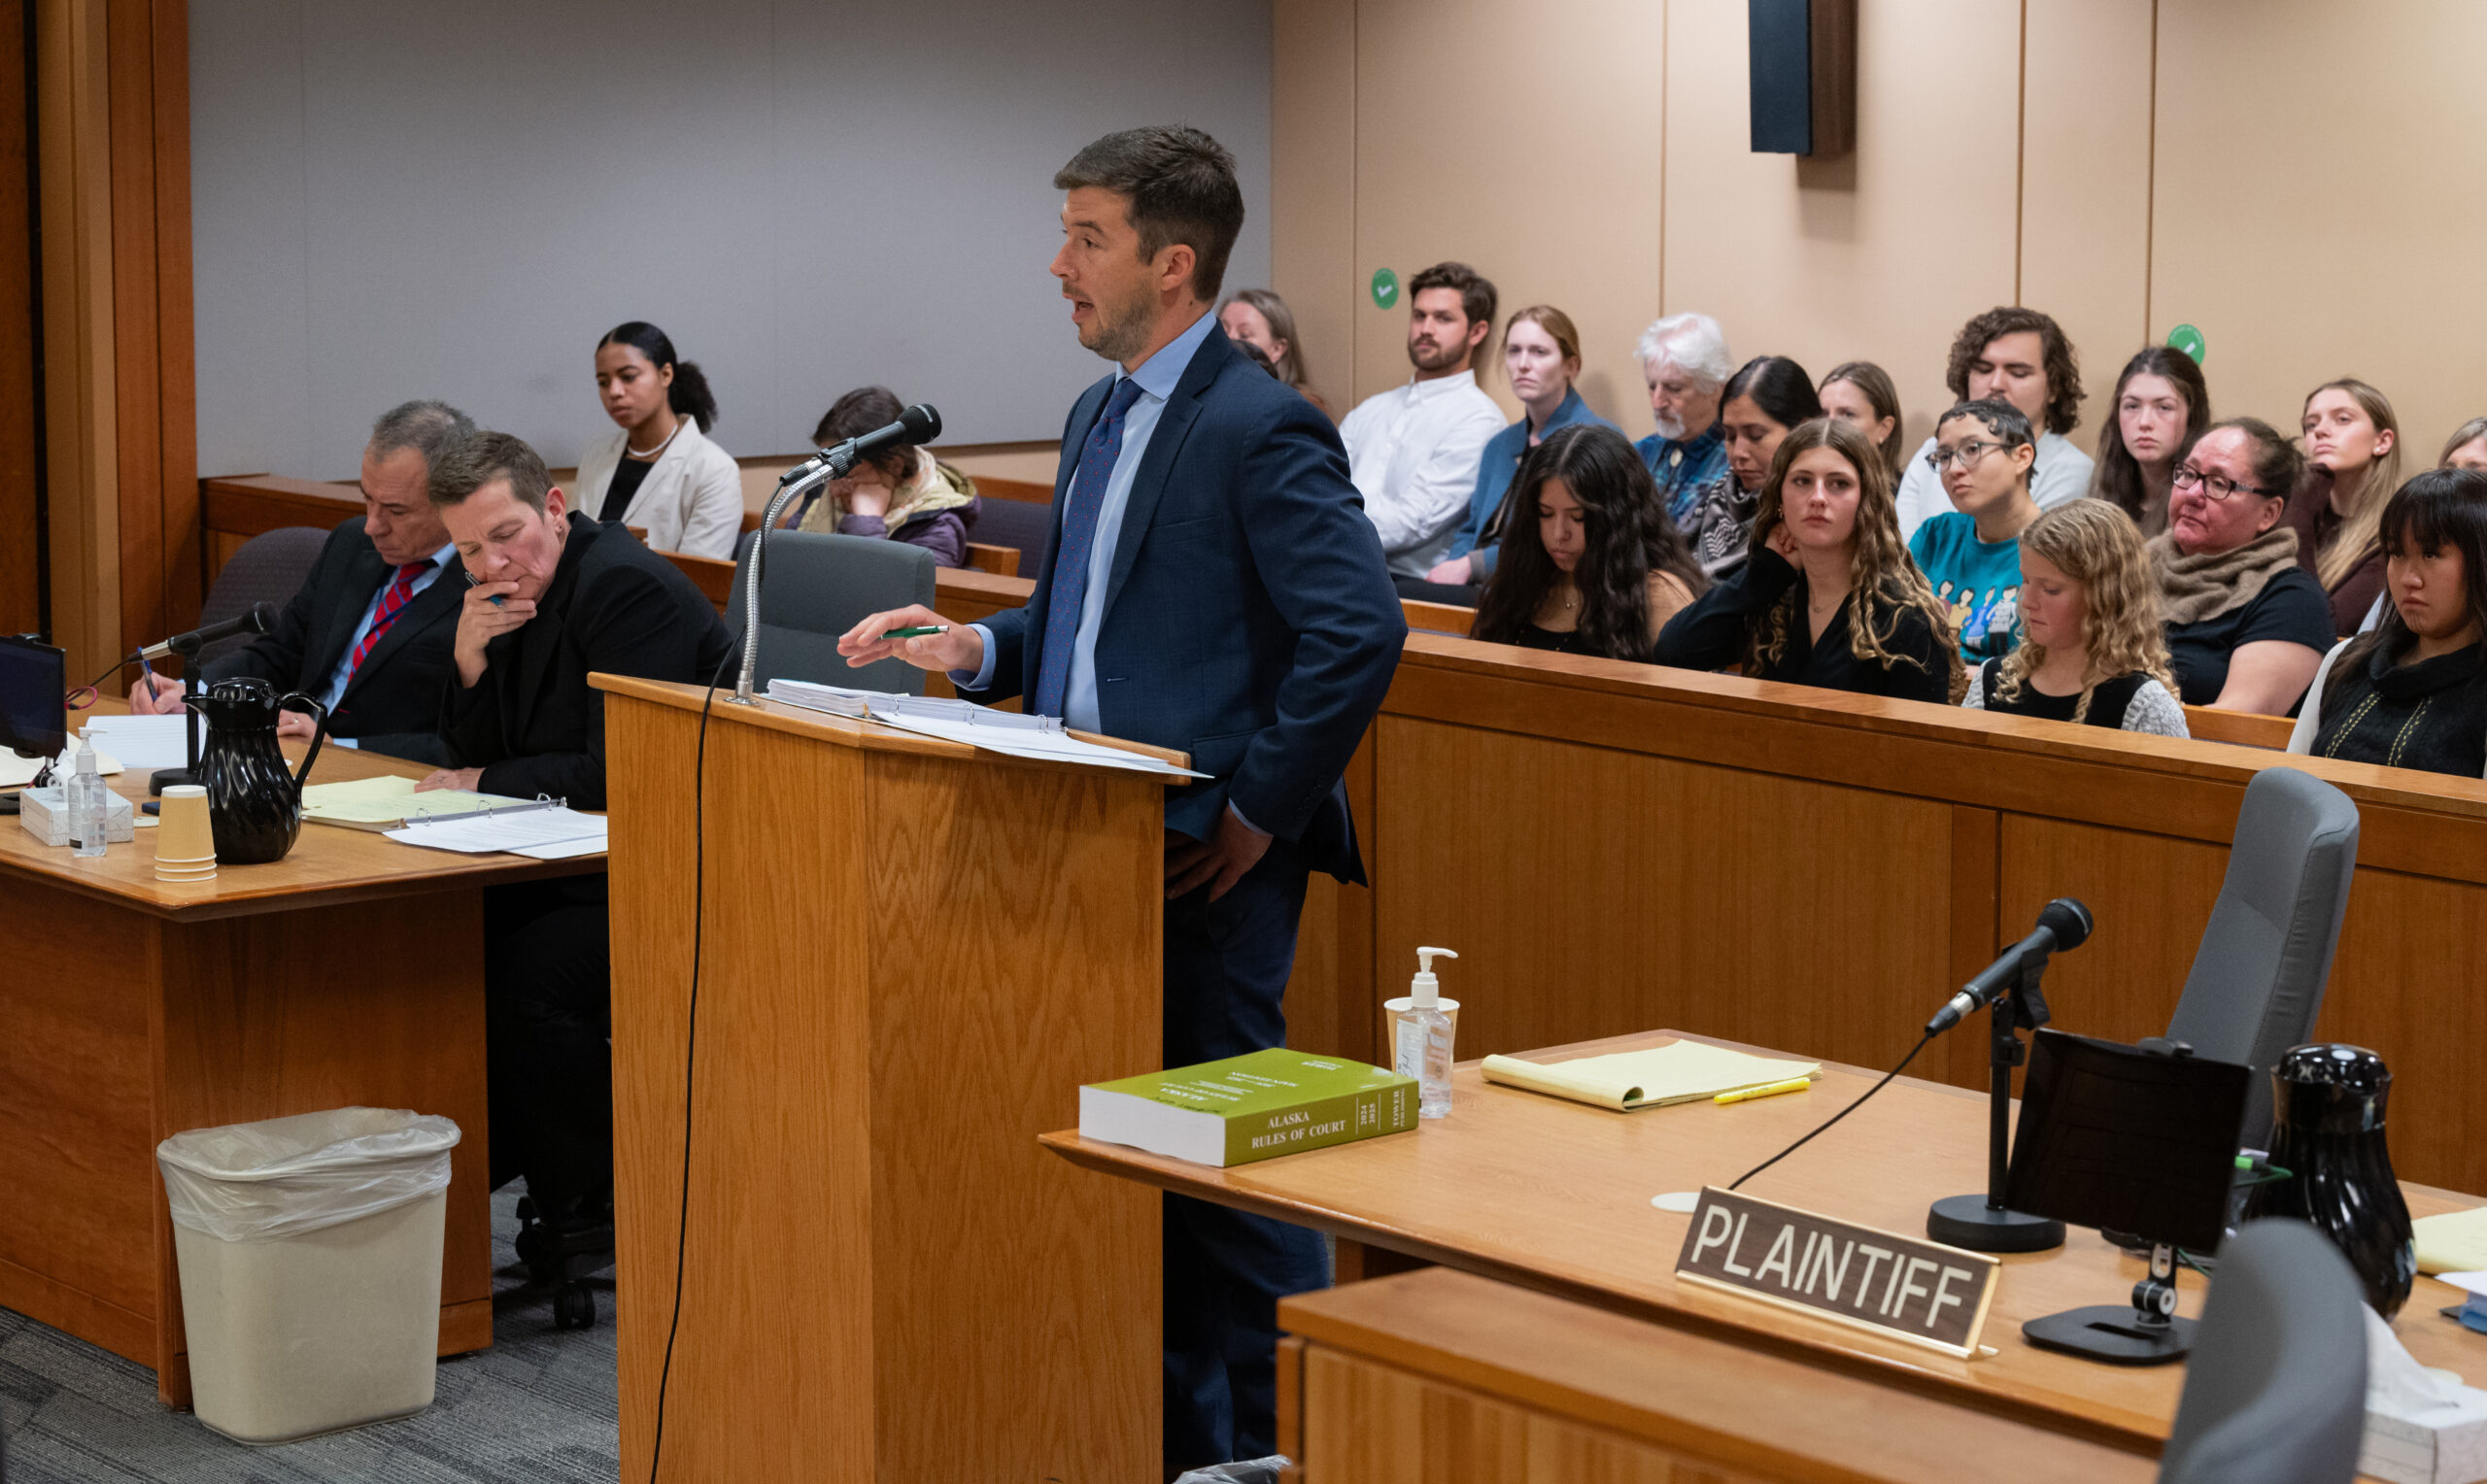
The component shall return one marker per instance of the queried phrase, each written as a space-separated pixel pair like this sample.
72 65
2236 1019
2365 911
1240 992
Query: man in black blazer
556 596
367 634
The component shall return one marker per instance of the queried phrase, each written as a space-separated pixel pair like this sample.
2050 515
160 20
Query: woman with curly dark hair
1829 597
1591 564
2022 357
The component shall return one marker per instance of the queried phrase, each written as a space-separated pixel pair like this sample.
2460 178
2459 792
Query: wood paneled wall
2284 178
21 524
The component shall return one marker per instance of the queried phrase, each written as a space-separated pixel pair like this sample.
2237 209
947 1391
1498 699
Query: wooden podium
913 955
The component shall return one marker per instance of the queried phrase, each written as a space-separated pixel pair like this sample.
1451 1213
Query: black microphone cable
1841 1113
690 1035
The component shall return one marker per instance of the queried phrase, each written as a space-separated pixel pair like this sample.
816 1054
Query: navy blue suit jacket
1248 619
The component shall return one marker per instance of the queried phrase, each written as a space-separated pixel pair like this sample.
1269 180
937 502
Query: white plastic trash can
310 1261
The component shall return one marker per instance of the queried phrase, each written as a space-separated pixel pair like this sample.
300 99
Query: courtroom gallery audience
1413 451
1260 319
574 597
2412 693
1591 564
1861 392
2161 406
899 492
2246 626
2467 448
2353 466
1541 357
1829 597
1761 403
1971 554
2091 648
367 634
1684 360
2021 355
658 470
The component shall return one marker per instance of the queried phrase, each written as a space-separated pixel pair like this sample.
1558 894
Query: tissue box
2441 1445
45 812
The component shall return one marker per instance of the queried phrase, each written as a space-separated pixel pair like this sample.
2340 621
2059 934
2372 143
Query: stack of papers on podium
1680 1071
1008 732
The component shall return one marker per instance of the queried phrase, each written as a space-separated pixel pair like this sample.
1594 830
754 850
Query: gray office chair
2275 1390
817 588
269 568
2266 952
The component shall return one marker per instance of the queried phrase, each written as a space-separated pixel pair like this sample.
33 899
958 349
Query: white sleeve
2309 716
1436 498
2154 711
1921 493
1975 700
2374 615
2062 473
712 507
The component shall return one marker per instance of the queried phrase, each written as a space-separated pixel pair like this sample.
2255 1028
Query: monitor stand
2147 1334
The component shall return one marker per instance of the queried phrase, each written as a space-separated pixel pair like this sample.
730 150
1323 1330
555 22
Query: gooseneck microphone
257 621
919 423
2062 923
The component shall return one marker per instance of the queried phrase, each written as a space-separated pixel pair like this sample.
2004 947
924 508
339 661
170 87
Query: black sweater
2432 715
1715 632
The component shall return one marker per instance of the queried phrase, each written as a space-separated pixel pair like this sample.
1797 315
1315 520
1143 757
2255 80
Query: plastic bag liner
285 1176
1259 1470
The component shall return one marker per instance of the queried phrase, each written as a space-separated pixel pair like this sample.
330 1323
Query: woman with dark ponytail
659 470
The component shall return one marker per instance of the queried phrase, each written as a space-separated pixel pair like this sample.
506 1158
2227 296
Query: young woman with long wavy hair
2092 649
1591 564
1829 597
2161 406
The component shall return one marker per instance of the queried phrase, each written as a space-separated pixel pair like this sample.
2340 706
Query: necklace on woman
658 449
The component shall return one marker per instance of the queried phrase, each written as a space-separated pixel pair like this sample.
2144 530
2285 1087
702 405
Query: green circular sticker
2189 340
1385 288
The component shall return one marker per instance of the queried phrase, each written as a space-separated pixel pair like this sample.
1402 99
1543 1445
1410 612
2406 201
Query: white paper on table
148 742
563 850
17 772
1044 746
522 831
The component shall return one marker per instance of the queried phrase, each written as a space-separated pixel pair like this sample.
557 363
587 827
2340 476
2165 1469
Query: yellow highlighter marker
1766 1090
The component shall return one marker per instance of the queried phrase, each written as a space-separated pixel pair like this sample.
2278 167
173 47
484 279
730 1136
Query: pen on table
472 581
917 633
1766 1090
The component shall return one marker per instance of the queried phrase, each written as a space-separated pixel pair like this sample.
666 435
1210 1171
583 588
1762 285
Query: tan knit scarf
2203 587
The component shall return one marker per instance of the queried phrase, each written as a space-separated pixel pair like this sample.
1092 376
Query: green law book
1250 1108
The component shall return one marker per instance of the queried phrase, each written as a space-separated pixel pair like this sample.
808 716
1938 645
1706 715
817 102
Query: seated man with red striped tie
370 633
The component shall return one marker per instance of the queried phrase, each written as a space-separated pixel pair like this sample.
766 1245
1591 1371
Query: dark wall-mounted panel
1804 76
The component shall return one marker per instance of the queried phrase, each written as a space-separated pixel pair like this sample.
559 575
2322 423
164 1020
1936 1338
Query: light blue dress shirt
335 690
1158 375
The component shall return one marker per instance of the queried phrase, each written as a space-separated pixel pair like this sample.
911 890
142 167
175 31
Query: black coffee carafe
2327 1109
253 805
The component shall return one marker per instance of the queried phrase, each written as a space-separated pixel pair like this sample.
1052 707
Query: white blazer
690 503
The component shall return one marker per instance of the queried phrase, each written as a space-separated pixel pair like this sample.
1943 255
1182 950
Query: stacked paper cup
185 845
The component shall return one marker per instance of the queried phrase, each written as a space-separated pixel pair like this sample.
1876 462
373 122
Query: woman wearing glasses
2246 626
1971 554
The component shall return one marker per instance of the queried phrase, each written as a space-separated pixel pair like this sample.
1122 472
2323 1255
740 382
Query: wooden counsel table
1555 1195
352 971
910 955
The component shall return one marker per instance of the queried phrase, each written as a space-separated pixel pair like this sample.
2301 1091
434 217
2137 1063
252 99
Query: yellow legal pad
1679 1071
2453 1242
386 803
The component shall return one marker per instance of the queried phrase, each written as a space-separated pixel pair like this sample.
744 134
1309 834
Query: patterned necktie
1079 512
393 603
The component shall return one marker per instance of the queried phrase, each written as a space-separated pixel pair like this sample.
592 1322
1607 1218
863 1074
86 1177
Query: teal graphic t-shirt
1978 582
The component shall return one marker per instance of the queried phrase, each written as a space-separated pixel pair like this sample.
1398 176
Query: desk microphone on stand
2008 989
257 619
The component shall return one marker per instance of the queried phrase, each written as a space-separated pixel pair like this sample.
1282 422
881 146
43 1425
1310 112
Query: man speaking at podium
1212 585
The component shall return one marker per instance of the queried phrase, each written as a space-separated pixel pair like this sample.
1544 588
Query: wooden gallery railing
1617 847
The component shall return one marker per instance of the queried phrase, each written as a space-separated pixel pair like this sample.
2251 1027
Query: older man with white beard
1684 360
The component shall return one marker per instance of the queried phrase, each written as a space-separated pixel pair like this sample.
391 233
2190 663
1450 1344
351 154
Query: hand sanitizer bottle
1424 1051
85 798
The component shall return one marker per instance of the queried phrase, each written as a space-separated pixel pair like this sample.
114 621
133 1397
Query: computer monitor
34 694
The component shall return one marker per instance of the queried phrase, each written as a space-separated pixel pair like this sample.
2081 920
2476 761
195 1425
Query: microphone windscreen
2068 919
261 617
922 424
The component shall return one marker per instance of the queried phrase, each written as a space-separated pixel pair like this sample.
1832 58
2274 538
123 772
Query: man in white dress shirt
1413 451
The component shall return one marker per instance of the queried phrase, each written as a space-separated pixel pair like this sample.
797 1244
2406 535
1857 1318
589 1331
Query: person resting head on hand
2091 648
897 492
2246 626
2411 693
1829 597
1590 563
2353 465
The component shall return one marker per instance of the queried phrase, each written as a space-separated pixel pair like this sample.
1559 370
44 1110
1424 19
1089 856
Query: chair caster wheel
574 1309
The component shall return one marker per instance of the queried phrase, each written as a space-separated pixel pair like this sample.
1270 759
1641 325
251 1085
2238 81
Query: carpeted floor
538 1407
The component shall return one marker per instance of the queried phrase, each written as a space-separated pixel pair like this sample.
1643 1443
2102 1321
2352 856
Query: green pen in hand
917 633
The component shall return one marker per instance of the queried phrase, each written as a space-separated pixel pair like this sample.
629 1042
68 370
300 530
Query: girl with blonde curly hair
1829 597
2092 647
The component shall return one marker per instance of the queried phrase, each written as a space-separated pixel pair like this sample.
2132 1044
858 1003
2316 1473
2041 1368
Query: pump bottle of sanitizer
1424 1051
